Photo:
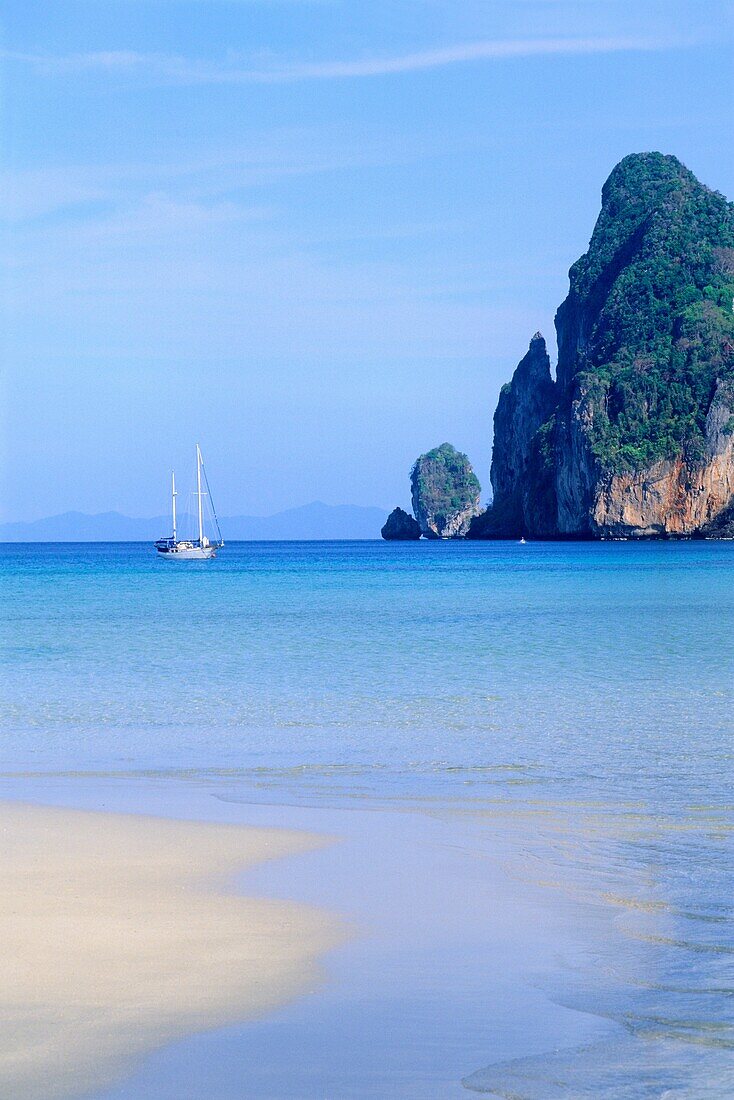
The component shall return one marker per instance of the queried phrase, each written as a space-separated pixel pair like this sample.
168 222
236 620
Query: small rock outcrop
400 527
445 493
635 438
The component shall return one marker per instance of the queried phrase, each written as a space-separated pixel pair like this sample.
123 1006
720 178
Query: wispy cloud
232 71
214 174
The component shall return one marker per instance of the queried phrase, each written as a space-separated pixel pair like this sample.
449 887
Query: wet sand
121 933
445 973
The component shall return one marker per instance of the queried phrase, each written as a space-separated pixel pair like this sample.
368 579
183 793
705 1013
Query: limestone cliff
674 496
636 436
445 493
524 405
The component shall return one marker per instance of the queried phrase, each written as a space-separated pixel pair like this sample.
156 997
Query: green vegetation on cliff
648 327
445 492
445 478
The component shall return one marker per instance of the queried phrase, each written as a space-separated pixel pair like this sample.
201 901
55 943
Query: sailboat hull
190 553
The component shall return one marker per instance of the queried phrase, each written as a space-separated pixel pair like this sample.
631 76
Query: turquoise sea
567 704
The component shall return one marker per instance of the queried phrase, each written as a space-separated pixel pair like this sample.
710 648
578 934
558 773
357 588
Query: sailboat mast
173 502
198 493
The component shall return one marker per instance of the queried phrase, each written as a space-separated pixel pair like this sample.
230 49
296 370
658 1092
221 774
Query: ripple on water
663 966
624 1068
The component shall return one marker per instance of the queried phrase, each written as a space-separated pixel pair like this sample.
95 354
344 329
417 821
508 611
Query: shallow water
578 697
443 965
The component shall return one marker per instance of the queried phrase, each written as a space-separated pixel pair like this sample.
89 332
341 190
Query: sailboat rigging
192 549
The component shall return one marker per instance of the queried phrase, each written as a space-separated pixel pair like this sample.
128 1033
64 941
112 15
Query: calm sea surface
582 694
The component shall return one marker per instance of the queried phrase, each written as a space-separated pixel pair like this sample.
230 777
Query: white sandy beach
121 933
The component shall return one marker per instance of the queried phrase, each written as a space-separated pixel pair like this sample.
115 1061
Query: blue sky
315 236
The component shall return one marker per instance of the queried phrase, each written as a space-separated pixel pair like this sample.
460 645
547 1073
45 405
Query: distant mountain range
315 521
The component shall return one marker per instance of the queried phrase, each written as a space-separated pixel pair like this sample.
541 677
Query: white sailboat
177 549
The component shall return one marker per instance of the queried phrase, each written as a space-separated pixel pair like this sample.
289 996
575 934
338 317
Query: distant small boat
522 542
176 549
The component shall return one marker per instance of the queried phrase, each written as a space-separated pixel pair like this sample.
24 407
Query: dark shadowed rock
524 405
400 527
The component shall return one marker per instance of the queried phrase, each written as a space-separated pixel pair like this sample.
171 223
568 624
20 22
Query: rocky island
445 495
634 437
400 527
